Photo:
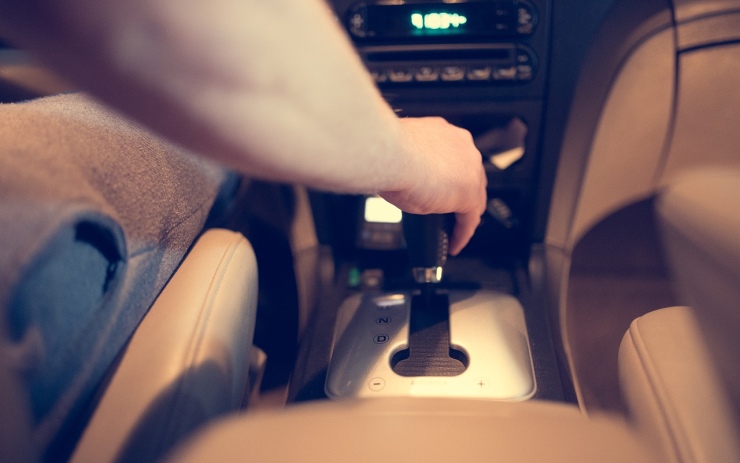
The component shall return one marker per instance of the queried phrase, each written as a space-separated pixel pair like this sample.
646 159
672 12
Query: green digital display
437 21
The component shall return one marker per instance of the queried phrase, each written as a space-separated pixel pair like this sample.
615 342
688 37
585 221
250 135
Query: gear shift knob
427 242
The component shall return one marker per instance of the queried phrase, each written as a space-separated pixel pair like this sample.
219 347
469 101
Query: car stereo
444 42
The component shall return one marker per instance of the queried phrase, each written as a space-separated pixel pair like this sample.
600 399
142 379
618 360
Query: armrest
187 361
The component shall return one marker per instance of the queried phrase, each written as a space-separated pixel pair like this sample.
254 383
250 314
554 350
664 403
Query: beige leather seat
418 429
187 362
669 111
673 391
679 366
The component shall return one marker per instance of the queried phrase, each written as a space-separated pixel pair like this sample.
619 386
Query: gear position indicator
381 339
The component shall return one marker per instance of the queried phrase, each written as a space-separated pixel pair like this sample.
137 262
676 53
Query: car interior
160 307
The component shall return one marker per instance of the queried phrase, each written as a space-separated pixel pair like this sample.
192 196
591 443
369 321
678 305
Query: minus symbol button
377 384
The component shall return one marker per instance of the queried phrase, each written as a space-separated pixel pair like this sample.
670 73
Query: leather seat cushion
673 391
95 215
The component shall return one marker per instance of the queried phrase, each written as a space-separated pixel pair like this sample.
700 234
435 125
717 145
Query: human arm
270 88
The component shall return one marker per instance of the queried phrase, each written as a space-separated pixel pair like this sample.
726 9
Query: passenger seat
679 367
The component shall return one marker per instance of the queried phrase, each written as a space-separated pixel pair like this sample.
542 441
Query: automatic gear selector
429 352
427 340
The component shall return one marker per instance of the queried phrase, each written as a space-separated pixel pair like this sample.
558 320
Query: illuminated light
433 21
379 210
417 20
437 21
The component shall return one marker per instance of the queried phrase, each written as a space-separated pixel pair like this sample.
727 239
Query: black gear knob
427 242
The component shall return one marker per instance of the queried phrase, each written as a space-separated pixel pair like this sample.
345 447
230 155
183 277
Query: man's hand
444 174
219 78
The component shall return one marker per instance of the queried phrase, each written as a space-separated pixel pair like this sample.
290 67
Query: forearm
269 87
272 88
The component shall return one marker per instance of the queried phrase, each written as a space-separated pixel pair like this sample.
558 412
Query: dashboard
482 65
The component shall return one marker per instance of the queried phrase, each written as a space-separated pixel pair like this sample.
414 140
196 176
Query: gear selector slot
429 352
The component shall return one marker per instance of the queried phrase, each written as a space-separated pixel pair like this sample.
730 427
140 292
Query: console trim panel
489 326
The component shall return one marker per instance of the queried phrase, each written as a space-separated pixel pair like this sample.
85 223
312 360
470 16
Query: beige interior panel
406 430
707 118
701 226
686 10
624 149
630 136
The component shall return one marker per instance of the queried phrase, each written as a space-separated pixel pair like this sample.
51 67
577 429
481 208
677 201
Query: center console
482 65
427 341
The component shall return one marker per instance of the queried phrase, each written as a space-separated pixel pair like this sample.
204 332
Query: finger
465 225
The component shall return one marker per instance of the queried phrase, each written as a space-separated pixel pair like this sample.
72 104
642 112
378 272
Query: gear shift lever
427 242
429 352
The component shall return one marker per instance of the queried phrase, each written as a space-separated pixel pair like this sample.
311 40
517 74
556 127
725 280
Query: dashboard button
452 73
502 28
357 23
379 75
400 75
427 74
525 20
504 73
479 73
524 72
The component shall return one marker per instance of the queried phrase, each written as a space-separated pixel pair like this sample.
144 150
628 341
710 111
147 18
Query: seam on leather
658 389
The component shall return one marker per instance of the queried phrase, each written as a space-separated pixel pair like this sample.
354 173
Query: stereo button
400 75
356 23
453 73
525 20
479 72
523 57
524 72
502 28
379 75
427 74
504 73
